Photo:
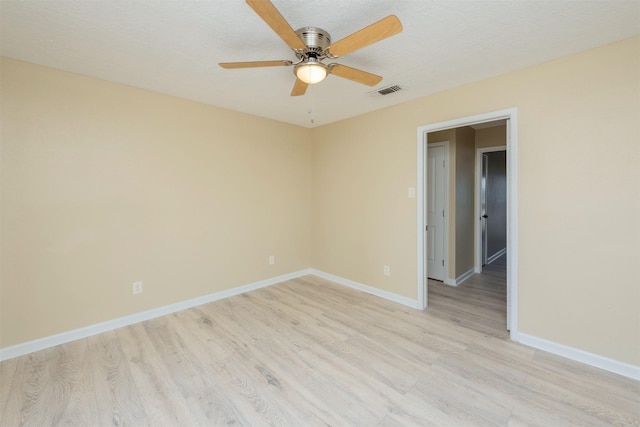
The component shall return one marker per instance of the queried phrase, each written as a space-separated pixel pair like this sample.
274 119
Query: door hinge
442 213
427 228
443 263
443 163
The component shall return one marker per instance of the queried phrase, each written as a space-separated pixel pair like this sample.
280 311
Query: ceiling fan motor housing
316 39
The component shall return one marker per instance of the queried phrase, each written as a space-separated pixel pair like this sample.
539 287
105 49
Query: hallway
479 303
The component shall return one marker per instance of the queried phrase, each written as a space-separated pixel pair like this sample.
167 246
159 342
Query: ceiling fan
312 45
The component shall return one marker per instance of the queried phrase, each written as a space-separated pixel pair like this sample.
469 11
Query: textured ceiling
173 47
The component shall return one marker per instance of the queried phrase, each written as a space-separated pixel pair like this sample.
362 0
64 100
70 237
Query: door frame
447 178
477 207
511 115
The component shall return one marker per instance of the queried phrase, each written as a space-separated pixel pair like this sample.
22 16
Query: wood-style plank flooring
479 303
310 352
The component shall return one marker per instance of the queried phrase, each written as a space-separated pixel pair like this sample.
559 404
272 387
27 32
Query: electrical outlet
411 192
137 288
272 259
387 270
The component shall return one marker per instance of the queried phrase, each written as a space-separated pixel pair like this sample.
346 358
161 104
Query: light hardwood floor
310 352
479 303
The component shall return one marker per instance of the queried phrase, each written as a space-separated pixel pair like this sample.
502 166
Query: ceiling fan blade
386 27
269 14
253 64
299 88
355 75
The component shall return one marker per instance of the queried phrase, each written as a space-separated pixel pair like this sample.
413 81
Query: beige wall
491 137
104 185
465 198
579 234
359 198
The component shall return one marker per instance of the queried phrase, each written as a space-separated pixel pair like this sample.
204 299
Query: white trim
109 325
511 115
512 223
496 255
611 365
458 280
421 221
368 289
478 230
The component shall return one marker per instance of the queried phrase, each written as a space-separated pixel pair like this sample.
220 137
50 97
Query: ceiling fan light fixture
311 45
311 71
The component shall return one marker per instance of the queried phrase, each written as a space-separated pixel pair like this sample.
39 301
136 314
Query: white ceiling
174 47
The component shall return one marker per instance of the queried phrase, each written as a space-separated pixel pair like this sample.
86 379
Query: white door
436 187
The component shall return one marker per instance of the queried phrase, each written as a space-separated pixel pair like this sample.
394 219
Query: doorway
490 205
510 115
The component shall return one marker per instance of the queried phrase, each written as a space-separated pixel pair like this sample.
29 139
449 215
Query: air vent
386 90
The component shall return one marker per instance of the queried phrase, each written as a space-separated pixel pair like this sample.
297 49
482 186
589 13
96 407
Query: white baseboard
611 365
109 325
366 288
458 280
496 255
621 368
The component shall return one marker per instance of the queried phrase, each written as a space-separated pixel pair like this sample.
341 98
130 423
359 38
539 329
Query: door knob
485 216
